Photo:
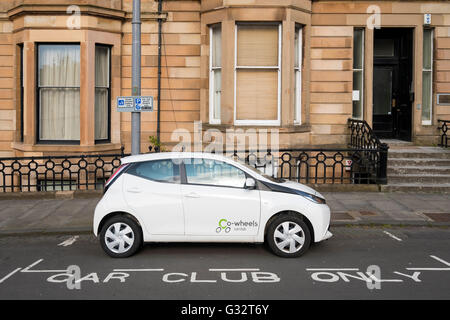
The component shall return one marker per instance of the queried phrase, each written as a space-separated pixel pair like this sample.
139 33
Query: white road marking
392 236
27 269
433 269
69 241
441 260
138 270
225 270
332 269
9 275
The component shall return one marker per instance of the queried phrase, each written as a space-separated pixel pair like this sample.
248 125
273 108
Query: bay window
257 74
59 93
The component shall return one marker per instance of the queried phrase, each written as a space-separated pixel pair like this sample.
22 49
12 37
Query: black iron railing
443 127
316 166
374 152
57 173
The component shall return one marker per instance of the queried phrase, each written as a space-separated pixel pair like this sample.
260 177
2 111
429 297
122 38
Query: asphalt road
357 263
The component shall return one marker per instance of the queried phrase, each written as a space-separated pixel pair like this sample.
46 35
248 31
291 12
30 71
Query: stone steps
422 153
425 162
425 178
418 169
414 187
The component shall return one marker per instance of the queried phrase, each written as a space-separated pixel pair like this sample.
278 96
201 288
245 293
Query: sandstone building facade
301 66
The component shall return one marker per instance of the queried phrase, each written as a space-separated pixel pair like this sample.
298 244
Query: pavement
68 212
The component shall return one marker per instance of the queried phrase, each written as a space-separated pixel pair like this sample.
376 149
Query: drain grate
439 217
341 216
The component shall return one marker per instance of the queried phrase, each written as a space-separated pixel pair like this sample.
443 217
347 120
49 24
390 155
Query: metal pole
158 129
136 77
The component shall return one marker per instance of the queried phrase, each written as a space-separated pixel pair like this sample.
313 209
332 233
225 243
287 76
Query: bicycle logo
223 225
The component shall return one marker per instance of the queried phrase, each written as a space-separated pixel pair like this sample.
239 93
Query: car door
153 190
216 202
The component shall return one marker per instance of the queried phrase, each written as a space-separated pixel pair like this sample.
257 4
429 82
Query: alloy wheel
289 237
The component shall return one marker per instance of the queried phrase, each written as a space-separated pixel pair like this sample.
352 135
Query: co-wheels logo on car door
228 226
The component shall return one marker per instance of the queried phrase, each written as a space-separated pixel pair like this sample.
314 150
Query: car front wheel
120 237
288 236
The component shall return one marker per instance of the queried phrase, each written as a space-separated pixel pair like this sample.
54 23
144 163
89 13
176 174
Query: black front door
392 83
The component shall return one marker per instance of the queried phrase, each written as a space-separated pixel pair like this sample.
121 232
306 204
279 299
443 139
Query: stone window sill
104 148
283 129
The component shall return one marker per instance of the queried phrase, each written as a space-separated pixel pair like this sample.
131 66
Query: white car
198 197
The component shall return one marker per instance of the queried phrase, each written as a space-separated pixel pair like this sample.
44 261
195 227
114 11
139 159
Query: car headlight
312 197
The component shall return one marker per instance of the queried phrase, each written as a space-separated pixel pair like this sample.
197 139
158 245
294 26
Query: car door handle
192 195
134 190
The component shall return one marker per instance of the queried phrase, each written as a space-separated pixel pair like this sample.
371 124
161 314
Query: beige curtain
257 95
102 82
257 84
59 85
257 45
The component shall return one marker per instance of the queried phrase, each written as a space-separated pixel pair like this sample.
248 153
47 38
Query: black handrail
363 137
444 132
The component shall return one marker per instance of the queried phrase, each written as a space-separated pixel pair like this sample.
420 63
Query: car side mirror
250 183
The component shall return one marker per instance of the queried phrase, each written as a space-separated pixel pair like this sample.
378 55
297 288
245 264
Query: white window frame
361 94
212 69
298 74
429 122
276 122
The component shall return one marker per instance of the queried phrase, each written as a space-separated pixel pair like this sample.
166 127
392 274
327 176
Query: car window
158 170
213 172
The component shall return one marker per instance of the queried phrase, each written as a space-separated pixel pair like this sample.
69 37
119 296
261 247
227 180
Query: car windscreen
257 171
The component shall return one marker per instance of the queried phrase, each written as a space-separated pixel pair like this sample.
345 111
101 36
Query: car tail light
115 175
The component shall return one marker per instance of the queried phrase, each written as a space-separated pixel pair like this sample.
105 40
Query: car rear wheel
121 237
288 236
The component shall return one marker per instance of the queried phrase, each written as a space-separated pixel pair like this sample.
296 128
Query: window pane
297 47
59 65
216 43
217 92
161 171
59 93
357 94
216 173
102 83
298 94
102 66
257 45
257 94
426 96
101 114
59 114
358 51
427 48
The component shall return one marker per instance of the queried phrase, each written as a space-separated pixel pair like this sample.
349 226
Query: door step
413 187
418 169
